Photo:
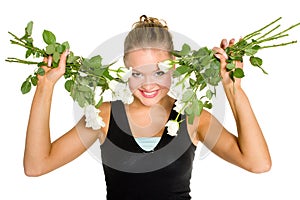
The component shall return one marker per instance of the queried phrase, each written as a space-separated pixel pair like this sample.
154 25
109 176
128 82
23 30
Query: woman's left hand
222 56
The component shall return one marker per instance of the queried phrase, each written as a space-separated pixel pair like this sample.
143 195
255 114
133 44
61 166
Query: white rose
176 90
92 117
128 73
179 107
165 66
173 127
122 92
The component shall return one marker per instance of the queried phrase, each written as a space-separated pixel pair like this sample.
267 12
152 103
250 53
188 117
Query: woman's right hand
52 75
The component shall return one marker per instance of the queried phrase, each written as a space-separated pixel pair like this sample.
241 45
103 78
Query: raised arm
41 154
249 149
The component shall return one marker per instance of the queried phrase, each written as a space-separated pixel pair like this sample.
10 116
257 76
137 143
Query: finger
45 60
49 61
231 42
224 44
239 64
63 59
220 53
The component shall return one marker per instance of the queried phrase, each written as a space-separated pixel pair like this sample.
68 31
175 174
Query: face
148 83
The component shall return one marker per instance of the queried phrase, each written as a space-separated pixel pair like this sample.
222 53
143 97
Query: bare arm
249 149
41 155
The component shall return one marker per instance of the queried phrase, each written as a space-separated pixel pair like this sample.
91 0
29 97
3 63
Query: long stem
255 32
29 47
278 45
17 60
293 26
19 39
271 38
263 36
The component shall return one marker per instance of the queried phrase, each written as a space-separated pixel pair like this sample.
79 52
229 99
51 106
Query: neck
149 121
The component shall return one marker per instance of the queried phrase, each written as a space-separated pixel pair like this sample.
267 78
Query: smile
151 94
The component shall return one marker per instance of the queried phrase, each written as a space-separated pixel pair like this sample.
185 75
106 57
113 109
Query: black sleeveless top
135 174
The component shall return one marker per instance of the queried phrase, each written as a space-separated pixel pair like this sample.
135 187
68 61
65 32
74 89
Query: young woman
140 160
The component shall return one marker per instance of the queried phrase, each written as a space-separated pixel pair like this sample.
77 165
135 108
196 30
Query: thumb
62 61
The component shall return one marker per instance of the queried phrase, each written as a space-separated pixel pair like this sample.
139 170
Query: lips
149 94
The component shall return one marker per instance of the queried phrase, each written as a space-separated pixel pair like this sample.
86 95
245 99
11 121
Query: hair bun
150 22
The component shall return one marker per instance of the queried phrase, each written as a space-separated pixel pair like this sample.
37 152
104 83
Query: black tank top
132 173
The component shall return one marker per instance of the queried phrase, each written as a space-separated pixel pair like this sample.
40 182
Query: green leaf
209 94
238 73
34 80
188 110
192 82
69 84
66 45
29 41
187 95
185 50
204 51
241 43
207 104
26 87
255 61
94 62
182 69
60 48
28 53
107 75
71 58
203 85
191 118
251 51
197 107
230 66
56 57
28 28
237 57
49 37
205 60
42 64
40 71
50 49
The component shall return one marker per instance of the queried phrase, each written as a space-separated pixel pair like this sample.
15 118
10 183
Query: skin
247 150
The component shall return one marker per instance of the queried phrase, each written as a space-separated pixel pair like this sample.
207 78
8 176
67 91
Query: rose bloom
173 127
92 117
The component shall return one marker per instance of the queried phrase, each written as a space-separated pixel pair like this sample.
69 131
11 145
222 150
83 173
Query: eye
159 73
137 74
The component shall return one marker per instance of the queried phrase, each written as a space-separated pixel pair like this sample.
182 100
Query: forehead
144 57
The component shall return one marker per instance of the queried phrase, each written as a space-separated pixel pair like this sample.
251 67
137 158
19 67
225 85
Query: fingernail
49 61
67 51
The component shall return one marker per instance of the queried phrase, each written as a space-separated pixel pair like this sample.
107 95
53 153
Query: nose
148 86
148 83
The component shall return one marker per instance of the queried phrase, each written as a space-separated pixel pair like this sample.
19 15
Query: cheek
134 84
165 81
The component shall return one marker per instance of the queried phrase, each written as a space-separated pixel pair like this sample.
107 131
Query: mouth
149 94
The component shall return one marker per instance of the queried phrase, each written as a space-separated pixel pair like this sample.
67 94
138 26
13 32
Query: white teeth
149 93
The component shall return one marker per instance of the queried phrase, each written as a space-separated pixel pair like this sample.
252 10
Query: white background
86 24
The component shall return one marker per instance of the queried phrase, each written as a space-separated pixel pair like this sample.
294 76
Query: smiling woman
138 152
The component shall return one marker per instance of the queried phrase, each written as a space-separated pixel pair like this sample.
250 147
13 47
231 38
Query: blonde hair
148 32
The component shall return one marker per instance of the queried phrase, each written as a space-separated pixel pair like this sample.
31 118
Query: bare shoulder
207 123
199 127
105 110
